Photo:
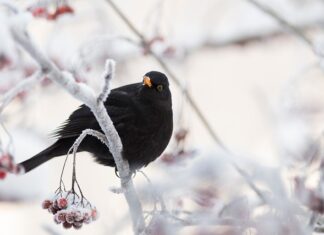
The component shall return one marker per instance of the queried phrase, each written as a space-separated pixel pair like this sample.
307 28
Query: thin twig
195 219
293 29
156 194
24 85
108 74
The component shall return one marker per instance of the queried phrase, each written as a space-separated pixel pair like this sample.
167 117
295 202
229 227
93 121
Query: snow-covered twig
65 79
91 132
85 94
10 5
108 74
157 196
198 220
117 190
24 85
295 30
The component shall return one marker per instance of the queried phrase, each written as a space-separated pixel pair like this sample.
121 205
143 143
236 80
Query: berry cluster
43 12
7 165
70 210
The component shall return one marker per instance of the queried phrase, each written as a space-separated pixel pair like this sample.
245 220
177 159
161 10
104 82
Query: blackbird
142 115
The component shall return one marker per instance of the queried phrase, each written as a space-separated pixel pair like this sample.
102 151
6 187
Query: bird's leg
116 172
132 173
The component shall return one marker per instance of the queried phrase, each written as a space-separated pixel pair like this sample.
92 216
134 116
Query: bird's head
156 86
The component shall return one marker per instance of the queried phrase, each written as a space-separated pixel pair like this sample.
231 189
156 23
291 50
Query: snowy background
259 85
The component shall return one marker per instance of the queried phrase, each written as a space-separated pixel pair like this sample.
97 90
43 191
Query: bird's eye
159 88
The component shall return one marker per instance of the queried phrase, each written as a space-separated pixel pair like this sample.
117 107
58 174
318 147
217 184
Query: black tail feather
57 149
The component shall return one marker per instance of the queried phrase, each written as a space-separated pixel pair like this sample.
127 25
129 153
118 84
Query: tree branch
293 29
108 74
24 85
85 94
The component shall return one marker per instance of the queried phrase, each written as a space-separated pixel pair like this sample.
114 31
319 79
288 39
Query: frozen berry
56 219
61 216
5 160
181 134
64 10
51 16
55 205
62 203
39 11
4 61
78 216
52 210
67 225
3 174
94 214
77 225
69 218
86 218
46 204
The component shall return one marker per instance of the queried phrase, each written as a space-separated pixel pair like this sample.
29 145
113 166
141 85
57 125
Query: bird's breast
150 136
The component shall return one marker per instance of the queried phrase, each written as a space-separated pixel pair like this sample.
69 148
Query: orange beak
147 81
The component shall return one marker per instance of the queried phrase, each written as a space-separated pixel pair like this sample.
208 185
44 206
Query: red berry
78 216
67 225
181 134
86 218
46 204
55 205
61 216
62 203
46 81
69 218
38 11
94 214
64 10
51 16
56 219
3 174
52 210
4 61
6 161
77 225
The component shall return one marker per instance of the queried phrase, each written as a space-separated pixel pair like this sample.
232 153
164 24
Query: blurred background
255 72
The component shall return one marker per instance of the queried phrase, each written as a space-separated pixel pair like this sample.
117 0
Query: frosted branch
85 94
10 5
117 190
65 79
198 220
90 132
24 85
293 29
157 196
108 74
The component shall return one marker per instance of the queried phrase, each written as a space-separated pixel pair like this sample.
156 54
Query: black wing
120 107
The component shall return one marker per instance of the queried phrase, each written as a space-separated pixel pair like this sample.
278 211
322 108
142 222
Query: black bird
142 115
